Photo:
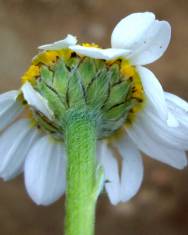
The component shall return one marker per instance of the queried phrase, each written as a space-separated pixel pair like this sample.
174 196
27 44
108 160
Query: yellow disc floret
31 74
129 71
47 58
85 44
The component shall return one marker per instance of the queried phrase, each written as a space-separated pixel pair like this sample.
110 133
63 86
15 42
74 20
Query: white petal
172 121
178 108
110 167
132 168
97 53
35 100
9 108
173 137
179 102
68 41
146 37
154 93
130 30
15 143
153 45
45 170
145 142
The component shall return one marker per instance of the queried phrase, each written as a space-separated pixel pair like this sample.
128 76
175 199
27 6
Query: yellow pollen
65 53
127 69
85 44
31 74
47 58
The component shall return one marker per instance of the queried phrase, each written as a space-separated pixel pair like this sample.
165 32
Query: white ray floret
45 170
35 100
111 172
98 53
132 168
68 41
10 108
15 144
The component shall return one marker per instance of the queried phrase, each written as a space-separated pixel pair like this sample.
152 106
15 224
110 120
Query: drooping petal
9 108
65 43
179 102
35 100
110 166
132 168
147 143
15 143
154 93
98 53
172 121
45 170
146 37
173 137
179 109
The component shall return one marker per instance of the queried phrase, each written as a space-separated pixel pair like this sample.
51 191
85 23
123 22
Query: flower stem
81 192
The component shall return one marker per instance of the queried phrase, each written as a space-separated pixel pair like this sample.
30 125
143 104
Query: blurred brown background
161 206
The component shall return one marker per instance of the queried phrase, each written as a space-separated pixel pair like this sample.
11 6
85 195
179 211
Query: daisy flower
129 109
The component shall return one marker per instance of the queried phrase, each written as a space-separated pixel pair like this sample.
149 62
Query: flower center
110 91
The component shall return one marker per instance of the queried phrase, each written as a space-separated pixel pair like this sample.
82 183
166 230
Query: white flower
9 108
68 41
159 130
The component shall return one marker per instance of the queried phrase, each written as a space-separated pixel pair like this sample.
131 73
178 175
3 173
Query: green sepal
118 94
87 70
46 75
115 75
98 89
54 101
61 77
73 63
75 91
118 111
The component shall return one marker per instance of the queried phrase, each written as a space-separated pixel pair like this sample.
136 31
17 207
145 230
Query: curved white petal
132 168
154 93
172 121
15 143
44 171
150 145
179 102
68 41
173 137
98 53
9 108
153 45
178 108
110 166
35 100
130 30
146 37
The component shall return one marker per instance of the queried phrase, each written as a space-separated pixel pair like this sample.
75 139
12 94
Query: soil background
161 206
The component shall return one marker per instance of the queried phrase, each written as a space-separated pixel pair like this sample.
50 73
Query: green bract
86 85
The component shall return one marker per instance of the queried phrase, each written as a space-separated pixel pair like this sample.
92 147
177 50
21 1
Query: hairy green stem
81 192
